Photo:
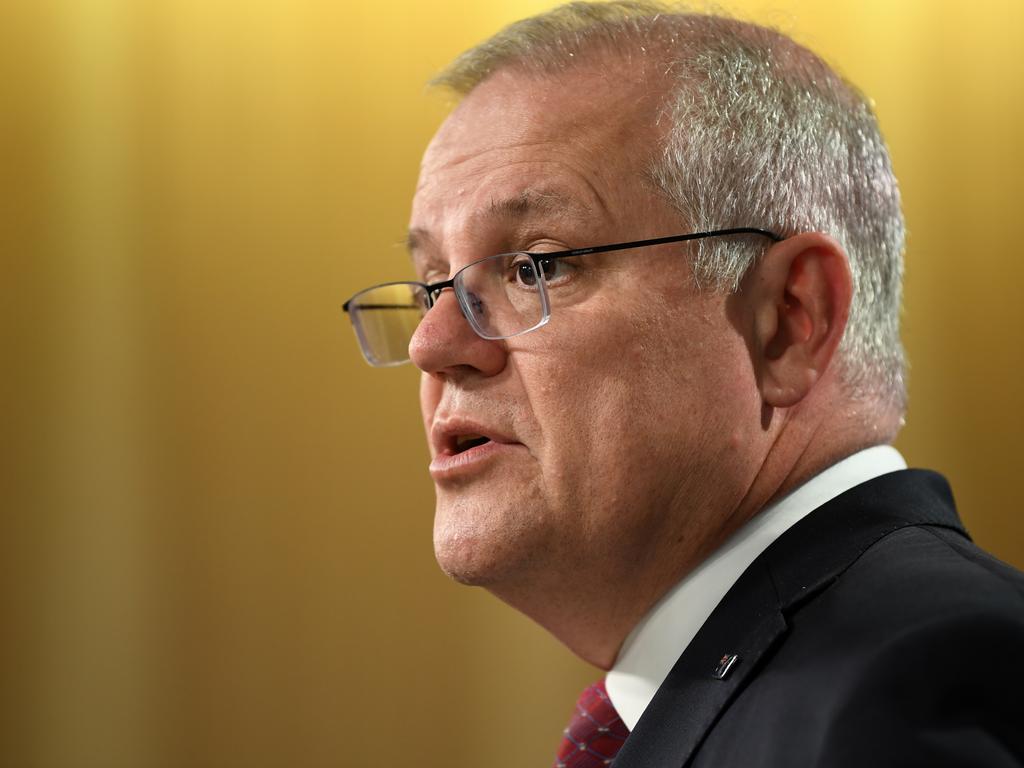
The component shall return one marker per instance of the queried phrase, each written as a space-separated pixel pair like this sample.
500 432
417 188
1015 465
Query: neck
592 624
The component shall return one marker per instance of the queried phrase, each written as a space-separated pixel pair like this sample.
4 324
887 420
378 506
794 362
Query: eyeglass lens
500 296
385 319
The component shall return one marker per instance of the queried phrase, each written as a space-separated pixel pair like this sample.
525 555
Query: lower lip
447 466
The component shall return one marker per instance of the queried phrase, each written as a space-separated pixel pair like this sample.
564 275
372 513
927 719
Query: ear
800 294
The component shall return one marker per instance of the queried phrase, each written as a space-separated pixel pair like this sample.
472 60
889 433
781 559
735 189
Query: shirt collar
660 638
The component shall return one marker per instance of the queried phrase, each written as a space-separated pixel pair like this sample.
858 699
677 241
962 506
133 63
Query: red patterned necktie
595 732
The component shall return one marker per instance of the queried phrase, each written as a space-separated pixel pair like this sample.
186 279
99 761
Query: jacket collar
751 620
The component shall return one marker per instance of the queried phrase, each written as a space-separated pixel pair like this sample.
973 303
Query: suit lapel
750 622
747 624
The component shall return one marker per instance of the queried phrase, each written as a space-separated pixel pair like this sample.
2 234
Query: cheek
639 389
587 406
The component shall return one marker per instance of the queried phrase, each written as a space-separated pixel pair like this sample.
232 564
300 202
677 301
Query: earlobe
801 296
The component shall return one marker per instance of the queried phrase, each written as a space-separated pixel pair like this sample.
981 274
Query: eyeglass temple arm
657 241
381 306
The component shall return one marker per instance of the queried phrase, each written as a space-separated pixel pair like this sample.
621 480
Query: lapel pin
725 665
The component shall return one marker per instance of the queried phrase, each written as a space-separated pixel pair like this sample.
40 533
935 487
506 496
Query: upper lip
445 433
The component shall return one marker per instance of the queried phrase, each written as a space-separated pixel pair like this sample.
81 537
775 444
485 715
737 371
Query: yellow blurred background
216 542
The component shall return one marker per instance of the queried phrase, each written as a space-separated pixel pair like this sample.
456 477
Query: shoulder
872 632
913 655
939 669
890 553
923 574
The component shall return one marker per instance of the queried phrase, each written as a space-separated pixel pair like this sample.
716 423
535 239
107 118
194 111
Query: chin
467 559
482 546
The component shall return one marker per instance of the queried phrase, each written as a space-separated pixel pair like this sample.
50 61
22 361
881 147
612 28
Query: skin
649 419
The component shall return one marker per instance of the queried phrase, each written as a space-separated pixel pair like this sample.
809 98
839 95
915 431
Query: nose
445 344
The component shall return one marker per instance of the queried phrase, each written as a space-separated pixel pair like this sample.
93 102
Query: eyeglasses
501 296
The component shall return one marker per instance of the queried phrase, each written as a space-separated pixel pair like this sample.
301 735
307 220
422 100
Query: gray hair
763 133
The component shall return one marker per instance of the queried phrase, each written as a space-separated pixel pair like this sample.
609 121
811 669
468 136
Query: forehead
572 144
585 105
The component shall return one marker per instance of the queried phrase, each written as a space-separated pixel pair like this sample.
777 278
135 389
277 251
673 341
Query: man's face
616 431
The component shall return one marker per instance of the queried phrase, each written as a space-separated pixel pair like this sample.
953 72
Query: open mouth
464 443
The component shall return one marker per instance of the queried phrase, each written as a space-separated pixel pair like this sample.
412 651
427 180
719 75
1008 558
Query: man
673 454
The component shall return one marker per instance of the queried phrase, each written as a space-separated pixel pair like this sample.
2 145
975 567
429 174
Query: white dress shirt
654 645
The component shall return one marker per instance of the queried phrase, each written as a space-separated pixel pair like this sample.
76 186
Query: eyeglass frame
432 290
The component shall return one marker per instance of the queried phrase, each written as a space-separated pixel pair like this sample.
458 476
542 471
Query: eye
523 272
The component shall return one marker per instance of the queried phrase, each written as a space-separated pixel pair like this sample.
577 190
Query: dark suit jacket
872 633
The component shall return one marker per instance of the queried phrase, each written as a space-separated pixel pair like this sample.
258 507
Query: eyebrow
538 201
415 239
530 202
